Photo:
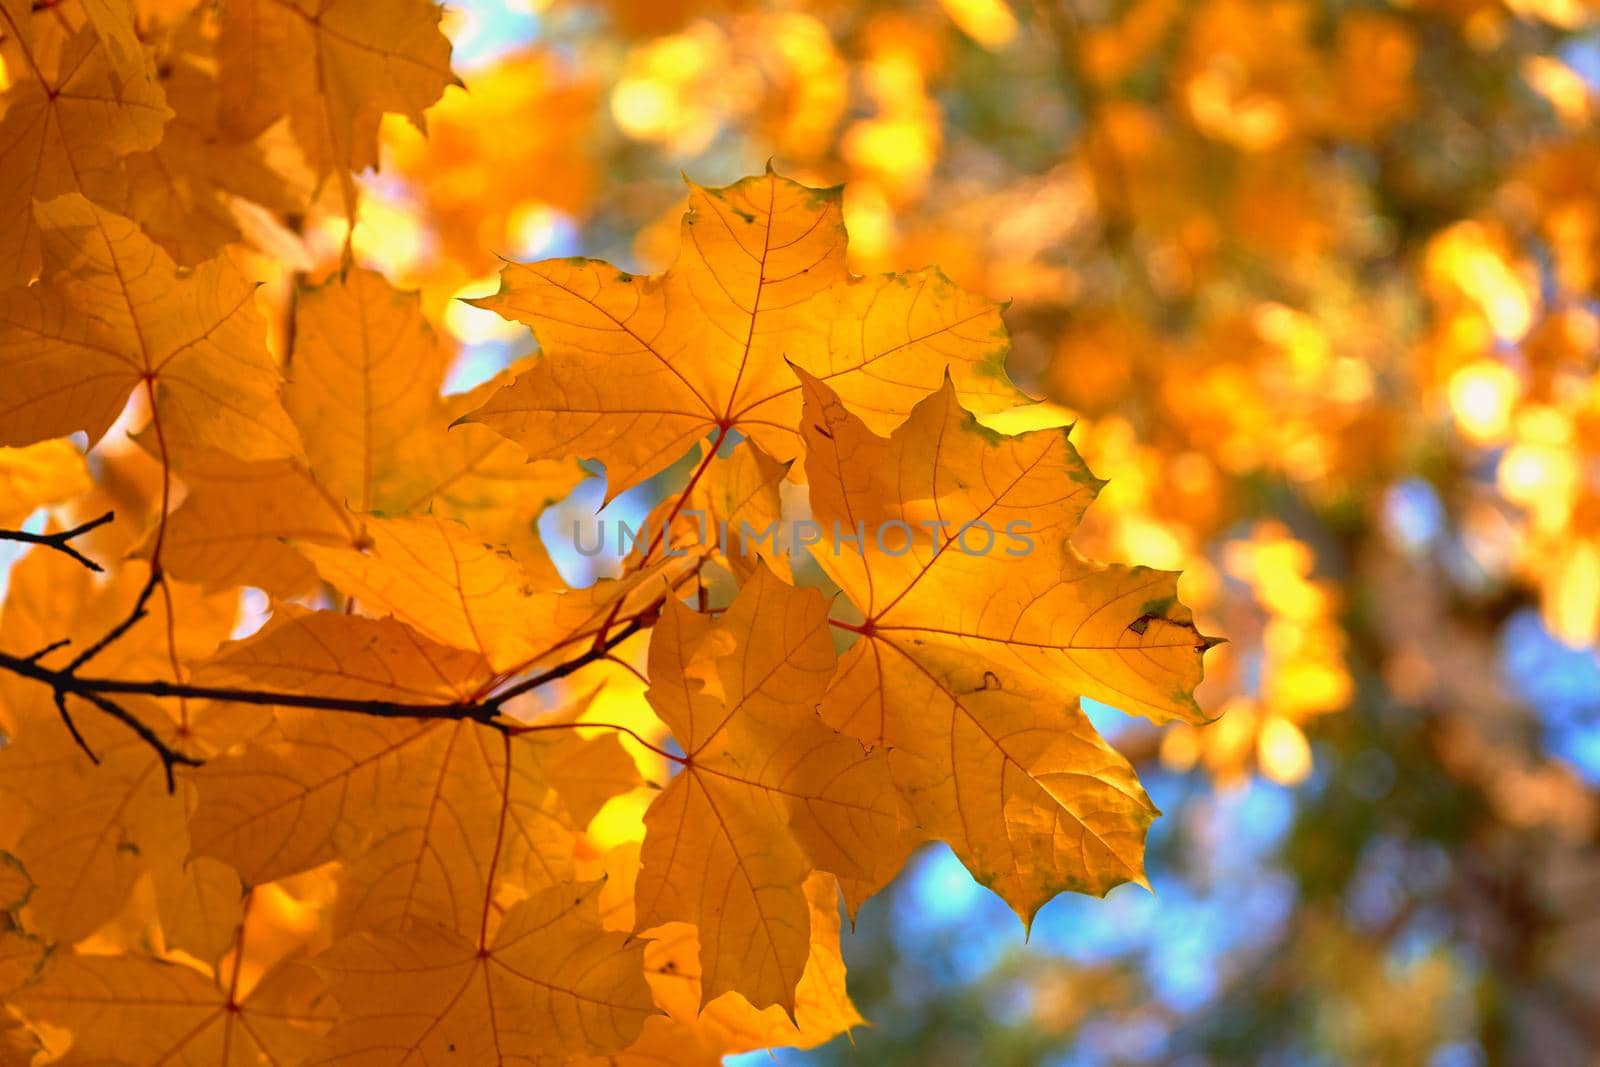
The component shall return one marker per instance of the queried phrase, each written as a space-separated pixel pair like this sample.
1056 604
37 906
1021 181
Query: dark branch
61 539
140 609
484 708
170 757
72 727
66 681
47 649
598 651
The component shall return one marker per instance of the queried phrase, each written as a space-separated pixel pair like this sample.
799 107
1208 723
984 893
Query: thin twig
61 539
170 757
47 649
140 606
593 653
72 727
517 729
630 668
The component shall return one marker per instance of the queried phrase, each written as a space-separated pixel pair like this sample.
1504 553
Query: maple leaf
50 597
47 472
15 885
185 191
112 313
113 22
277 809
138 1009
199 901
287 805
729 1024
366 372
333 68
475 476
637 369
79 828
364 394
549 984
68 123
20 957
430 816
767 792
346 656
974 650
84 850
475 814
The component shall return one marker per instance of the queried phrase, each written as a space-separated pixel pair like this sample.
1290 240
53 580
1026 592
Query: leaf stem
683 497
538 727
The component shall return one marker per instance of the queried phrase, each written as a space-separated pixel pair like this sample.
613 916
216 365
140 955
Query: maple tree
361 832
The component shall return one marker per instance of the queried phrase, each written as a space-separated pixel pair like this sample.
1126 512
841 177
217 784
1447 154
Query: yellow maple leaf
822 1006
15 885
199 902
85 103
333 68
982 628
548 986
431 817
366 371
637 369
767 792
82 830
441 578
184 192
85 849
140 1009
345 656
20 957
112 313
46 472
240 522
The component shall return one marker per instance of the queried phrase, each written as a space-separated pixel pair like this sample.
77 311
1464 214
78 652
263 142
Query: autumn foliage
382 827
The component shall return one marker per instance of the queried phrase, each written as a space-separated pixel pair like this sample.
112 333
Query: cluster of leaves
365 831
1318 279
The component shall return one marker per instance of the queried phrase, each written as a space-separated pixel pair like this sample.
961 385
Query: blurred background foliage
1321 281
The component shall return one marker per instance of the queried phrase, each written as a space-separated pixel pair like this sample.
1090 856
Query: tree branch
61 540
170 757
484 708
140 605
66 681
